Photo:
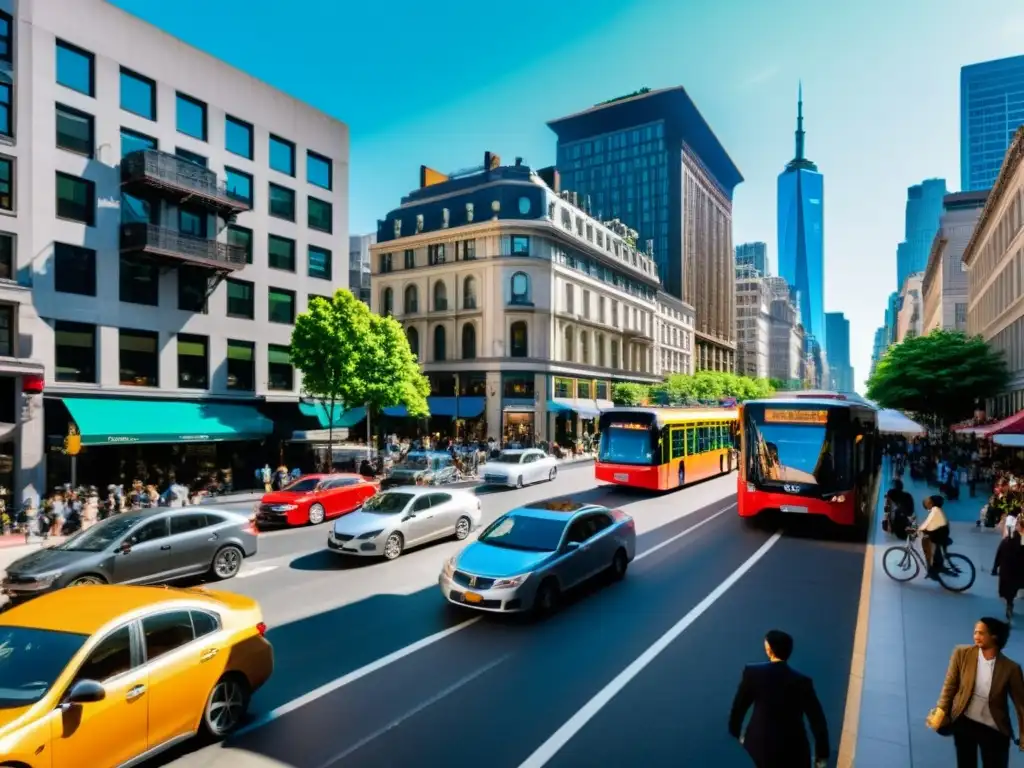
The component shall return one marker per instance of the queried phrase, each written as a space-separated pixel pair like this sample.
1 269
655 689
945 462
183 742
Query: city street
374 669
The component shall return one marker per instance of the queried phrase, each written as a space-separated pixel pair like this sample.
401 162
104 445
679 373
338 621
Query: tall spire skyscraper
801 199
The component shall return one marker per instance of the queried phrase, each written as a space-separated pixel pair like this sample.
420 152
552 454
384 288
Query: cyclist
934 533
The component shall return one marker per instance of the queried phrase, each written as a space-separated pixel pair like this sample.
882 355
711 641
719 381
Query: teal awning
342 419
110 421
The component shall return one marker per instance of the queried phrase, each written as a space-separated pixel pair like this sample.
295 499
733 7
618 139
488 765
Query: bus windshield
798 446
627 444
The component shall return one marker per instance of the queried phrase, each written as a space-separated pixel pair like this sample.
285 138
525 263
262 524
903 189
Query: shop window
601 390
442 384
193 361
473 385
468 341
280 373
440 343
414 341
411 300
583 390
139 353
75 352
241 365
519 342
563 388
518 386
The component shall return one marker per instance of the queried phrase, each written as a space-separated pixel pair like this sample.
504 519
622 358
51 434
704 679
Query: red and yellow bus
809 455
664 448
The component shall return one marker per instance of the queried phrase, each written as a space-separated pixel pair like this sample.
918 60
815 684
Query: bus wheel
682 475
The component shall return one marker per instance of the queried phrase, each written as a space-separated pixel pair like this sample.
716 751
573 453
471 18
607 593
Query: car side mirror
85 692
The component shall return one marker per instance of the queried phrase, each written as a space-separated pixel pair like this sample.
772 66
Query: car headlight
510 583
371 535
284 507
48 578
449 567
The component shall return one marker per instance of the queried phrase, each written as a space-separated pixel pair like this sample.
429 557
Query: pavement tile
877 753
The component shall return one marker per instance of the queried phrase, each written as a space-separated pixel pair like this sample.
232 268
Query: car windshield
302 485
414 462
101 535
797 446
627 444
506 457
31 660
387 503
526 532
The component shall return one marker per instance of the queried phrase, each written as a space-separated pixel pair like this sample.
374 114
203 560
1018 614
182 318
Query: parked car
102 676
314 498
517 468
423 468
528 558
145 547
395 520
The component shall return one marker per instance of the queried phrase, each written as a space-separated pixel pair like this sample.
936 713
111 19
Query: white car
520 467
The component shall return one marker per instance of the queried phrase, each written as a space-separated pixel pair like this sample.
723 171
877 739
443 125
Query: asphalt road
375 669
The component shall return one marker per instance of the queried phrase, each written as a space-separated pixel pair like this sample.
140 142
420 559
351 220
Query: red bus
816 456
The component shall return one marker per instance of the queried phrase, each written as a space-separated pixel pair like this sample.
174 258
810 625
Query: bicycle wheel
899 564
958 573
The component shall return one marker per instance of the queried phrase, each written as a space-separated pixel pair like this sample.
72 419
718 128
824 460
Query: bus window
704 439
691 440
678 442
719 436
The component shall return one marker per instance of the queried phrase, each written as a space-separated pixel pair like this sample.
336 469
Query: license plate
797 510
473 597
622 477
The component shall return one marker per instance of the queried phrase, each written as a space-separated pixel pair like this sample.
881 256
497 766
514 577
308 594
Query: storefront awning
585 409
892 422
110 421
1011 425
342 419
469 407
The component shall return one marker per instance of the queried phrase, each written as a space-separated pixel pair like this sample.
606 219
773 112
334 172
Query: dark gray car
138 548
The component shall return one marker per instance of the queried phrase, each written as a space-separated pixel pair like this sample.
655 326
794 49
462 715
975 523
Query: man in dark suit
781 698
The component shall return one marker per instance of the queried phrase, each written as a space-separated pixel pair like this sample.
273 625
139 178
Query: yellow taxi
110 675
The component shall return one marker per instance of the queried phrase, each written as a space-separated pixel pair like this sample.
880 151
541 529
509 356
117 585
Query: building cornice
939 243
1011 163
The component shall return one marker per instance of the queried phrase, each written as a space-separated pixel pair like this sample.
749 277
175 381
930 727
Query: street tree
940 376
629 394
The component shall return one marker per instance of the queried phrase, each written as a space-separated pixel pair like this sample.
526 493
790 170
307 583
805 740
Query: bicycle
909 561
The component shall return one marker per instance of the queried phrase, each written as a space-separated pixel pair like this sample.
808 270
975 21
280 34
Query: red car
313 499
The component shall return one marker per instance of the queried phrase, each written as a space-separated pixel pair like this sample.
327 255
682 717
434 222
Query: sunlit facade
991 110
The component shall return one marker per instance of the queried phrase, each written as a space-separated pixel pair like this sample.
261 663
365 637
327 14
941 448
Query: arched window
440 295
519 346
440 342
568 346
469 293
599 343
468 341
520 288
387 302
414 341
412 300
584 347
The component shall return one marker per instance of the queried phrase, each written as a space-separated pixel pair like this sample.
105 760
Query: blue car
526 559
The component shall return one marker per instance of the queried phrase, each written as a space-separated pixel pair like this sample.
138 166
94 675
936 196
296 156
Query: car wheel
552 474
393 546
462 528
87 580
226 706
620 563
316 514
227 562
519 482
545 602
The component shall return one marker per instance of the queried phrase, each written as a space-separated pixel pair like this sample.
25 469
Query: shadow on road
325 560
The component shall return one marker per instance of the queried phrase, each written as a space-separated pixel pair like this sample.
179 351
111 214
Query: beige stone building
909 320
944 288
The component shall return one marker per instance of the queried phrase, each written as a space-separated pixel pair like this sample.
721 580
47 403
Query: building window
440 296
76 68
74 131
191 117
469 250
238 184
319 170
138 281
435 254
74 269
601 390
520 245
241 302
6 184
520 288
241 365
193 289
238 137
192 223
410 258
192 157
138 94
76 199
468 341
74 352
385 263
414 341
8 255
193 361
6 48
319 262
282 155
440 342
387 302
280 374
281 253
281 306
139 353
132 141
320 215
469 292
282 202
411 304
563 387
518 385
568 346
241 237
6 121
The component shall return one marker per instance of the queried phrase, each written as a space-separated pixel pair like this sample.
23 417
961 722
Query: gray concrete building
753 323
359 265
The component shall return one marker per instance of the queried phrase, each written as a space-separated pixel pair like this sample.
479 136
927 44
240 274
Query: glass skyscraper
991 110
837 329
752 257
924 209
801 201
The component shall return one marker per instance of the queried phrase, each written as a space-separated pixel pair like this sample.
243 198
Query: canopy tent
1010 425
1010 441
892 422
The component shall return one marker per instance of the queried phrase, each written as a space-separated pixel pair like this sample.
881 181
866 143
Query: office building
837 329
991 110
995 260
924 209
878 348
650 160
945 277
801 203
752 258
673 330
753 322
172 216
359 265
523 308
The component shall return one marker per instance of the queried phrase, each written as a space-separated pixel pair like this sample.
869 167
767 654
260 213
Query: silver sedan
399 518
517 468
527 559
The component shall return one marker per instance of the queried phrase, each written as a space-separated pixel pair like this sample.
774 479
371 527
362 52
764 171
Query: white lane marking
575 724
680 535
256 571
414 711
351 677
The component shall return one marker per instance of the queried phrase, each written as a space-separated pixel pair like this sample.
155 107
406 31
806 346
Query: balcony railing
176 246
181 178
440 305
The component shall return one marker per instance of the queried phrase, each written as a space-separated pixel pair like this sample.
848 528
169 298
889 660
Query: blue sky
439 84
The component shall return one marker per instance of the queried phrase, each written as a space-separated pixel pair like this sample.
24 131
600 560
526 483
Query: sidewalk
912 629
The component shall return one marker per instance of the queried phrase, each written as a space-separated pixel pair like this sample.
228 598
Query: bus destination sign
628 425
794 416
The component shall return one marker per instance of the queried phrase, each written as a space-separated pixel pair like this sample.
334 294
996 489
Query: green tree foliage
940 376
683 389
350 357
627 393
